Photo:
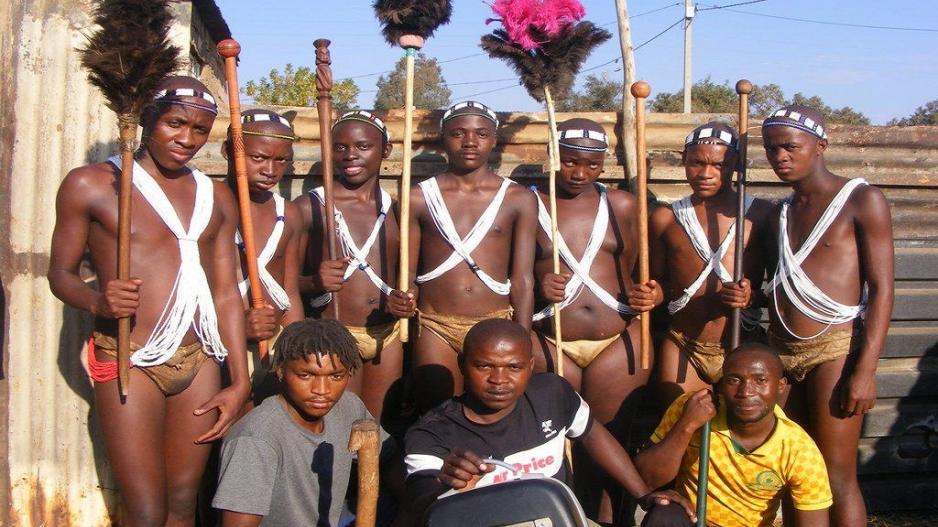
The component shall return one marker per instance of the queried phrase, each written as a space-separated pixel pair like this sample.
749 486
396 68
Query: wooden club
641 90
366 440
229 50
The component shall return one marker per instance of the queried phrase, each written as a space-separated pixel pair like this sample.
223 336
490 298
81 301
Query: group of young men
480 305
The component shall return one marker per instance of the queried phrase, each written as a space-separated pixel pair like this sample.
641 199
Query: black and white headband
368 118
584 134
267 118
712 136
795 119
171 97
483 110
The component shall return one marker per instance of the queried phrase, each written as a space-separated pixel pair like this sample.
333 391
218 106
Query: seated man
507 414
757 454
287 461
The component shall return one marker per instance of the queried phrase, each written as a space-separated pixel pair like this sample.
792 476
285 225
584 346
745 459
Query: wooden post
324 110
743 88
628 102
641 90
366 440
229 50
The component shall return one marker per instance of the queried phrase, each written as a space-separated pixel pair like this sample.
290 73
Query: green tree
707 97
845 115
765 99
297 87
599 94
926 115
430 90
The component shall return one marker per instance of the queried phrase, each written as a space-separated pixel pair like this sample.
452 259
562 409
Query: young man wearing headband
369 238
472 238
268 152
830 296
183 297
692 260
598 249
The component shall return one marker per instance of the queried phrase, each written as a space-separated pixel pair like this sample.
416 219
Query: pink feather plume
547 17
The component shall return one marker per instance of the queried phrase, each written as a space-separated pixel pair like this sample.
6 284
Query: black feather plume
411 17
130 54
554 64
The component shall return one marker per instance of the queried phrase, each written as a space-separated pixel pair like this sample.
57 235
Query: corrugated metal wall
57 474
53 461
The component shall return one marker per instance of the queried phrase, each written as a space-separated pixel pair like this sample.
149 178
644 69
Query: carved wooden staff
126 58
229 49
366 440
743 88
324 109
641 90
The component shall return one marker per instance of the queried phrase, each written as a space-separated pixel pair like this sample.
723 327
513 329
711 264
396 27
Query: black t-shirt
531 437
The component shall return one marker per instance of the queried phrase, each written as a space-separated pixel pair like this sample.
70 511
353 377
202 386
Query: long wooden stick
365 440
403 283
553 149
324 109
641 90
229 50
743 88
128 135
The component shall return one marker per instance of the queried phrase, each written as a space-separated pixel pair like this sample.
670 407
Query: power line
711 8
829 23
642 14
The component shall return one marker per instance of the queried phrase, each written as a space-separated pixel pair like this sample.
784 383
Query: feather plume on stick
545 42
127 57
408 24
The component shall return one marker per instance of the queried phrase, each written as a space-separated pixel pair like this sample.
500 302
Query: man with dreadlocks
599 344
830 296
287 461
691 254
369 234
184 282
268 151
472 234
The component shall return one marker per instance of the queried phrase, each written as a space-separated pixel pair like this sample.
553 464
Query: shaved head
488 334
751 351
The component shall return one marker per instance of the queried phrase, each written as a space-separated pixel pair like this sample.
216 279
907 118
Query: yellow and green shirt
745 488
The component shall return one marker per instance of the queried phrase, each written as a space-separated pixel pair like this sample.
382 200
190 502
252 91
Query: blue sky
882 73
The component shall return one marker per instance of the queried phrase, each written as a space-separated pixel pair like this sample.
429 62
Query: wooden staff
553 149
410 43
743 88
128 136
229 50
324 109
641 90
365 440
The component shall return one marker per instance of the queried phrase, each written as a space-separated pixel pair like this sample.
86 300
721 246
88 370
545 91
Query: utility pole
689 12
628 102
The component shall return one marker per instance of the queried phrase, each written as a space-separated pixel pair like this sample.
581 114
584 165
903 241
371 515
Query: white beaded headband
265 117
584 134
711 135
365 117
797 120
169 96
451 112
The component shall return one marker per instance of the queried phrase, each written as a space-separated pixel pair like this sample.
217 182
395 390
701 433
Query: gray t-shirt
272 467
